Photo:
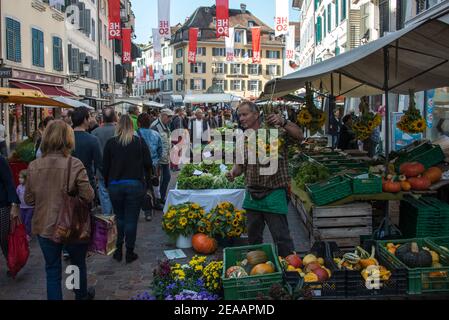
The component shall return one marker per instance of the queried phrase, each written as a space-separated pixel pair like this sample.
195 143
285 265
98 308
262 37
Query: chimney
243 7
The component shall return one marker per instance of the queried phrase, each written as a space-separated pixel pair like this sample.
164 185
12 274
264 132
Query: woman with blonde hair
45 186
127 169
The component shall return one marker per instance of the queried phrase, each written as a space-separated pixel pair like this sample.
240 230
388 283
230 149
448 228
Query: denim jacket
154 142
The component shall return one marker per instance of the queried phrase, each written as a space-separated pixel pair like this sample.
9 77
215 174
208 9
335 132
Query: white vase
184 242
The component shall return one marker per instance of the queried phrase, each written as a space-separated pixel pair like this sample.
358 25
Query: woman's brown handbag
74 219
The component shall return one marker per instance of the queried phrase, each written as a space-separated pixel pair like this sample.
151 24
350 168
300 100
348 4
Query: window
219 52
329 18
93 30
197 84
251 24
179 85
179 69
164 52
324 24
273 54
337 5
13 40
273 70
239 36
169 86
238 53
236 68
253 85
58 64
221 84
364 21
38 48
319 30
237 85
343 9
254 69
199 67
179 53
201 51
219 68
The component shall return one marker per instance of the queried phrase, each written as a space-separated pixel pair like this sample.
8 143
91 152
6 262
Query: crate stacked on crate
342 224
425 153
323 193
423 217
366 183
243 286
426 263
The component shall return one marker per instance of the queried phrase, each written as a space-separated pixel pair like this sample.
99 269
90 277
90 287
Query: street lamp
86 67
76 77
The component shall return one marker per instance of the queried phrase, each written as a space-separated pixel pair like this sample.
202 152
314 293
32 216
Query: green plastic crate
420 280
334 189
427 154
249 288
367 184
424 217
440 242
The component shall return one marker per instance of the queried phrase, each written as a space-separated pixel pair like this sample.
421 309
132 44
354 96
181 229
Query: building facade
241 78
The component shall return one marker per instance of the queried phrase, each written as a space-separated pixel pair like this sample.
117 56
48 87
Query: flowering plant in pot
182 219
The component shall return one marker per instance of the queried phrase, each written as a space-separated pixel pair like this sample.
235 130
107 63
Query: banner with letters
193 44
157 46
114 20
164 19
256 45
282 17
229 42
126 54
222 18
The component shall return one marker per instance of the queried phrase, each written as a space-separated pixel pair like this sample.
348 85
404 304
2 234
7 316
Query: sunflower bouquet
310 117
182 219
212 276
224 221
412 121
365 124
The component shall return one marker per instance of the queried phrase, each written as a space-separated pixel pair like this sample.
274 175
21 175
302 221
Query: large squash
412 169
434 174
256 257
413 257
204 244
263 268
236 272
420 184
391 186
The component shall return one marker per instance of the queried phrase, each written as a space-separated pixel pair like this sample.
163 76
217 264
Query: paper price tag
197 173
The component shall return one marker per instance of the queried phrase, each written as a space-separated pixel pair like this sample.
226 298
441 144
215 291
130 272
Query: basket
424 217
327 192
427 154
357 286
366 184
335 286
251 287
420 280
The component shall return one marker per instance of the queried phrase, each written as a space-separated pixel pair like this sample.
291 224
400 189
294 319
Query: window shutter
268 71
82 57
34 43
191 68
336 12
204 67
69 57
243 85
225 68
225 85
260 86
10 54
88 25
243 69
100 70
191 84
260 70
204 84
41 48
278 71
55 54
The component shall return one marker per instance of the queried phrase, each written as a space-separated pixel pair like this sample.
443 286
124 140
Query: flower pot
183 242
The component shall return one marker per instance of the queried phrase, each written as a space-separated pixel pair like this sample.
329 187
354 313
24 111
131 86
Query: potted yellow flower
224 222
412 121
180 223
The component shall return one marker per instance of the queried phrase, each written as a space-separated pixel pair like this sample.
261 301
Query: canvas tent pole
331 101
387 107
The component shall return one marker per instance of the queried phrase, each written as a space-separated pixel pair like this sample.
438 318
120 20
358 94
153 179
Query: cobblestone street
113 280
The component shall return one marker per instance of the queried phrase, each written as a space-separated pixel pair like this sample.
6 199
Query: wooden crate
342 224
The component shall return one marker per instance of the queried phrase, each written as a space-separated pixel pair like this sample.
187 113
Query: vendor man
266 195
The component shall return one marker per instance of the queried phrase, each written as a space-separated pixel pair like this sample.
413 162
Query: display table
208 199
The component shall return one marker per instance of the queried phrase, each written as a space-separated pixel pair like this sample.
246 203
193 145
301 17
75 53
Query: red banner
193 43
126 53
256 44
151 73
222 19
114 21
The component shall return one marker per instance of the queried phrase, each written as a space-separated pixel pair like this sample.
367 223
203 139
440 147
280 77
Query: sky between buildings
146 13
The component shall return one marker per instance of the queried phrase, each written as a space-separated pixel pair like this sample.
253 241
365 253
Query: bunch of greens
211 178
25 151
310 173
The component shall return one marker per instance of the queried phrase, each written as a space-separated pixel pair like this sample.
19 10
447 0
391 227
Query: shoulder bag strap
69 171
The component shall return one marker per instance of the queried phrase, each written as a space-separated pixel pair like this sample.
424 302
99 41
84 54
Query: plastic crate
424 217
427 154
440 242
420 280
327 192
249 288
357 286
335 286
366 184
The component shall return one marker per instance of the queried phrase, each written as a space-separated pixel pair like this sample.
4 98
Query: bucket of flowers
412 121
364 125
225 223
180 223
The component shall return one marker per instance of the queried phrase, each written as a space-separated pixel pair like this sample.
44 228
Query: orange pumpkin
406 186
204 244
412 169
434 174
391 186
263 268
420 184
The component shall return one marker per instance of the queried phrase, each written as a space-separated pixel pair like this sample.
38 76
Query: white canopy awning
154 104
211 98
73 103
418 58
176 98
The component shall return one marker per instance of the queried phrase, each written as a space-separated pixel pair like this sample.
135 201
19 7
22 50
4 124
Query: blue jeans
53 267
165 180
103 194
127 201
